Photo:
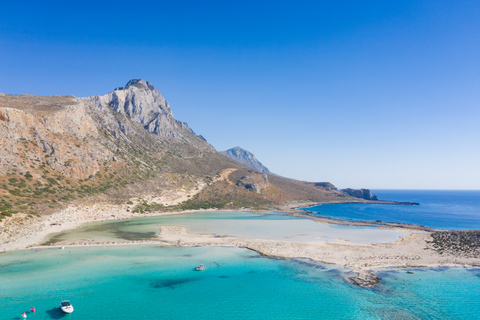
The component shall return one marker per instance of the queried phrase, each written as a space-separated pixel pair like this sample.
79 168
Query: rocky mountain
59 150
245 157
140 102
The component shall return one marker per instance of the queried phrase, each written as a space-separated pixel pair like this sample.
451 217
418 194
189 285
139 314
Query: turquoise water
232 223
440 209
154 282
138 282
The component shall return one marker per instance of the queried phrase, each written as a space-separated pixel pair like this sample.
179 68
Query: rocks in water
366 279
360 193
245 157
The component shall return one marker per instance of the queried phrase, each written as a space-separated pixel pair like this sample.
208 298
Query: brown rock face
54 130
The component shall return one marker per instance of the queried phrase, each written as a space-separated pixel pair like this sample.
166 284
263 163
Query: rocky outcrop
324 185
362 194
245 157
254 182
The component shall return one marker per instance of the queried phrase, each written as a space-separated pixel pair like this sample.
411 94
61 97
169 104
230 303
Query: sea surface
242 224
441 209
151 282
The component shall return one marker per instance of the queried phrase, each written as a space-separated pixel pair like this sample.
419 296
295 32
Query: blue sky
375 94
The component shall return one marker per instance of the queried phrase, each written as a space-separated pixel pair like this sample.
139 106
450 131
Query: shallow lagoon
130 282
242 224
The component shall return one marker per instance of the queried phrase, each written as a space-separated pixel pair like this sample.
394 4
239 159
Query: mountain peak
245 157
141 102
137 83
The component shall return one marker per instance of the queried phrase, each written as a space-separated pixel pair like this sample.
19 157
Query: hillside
122 147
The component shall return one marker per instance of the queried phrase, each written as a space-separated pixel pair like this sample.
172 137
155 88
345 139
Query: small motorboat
66 306
200 268
410 272
62 247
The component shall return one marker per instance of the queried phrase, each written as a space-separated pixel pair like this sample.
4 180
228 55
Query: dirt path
224 175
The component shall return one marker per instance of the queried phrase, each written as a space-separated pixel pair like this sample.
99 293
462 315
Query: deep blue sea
442 209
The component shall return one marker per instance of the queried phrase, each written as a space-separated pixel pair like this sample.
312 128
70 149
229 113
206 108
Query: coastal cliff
362 194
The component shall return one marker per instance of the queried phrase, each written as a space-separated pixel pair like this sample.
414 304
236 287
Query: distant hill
245 157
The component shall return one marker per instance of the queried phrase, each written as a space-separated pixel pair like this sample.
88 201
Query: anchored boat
66 306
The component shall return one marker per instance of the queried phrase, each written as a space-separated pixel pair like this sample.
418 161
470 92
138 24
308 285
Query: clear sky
374 94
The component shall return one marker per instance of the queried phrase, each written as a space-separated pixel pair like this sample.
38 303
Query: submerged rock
366 279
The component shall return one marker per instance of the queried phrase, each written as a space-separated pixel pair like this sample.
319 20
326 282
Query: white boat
62 247
66 306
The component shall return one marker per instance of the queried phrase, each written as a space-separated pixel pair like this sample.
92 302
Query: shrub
15 192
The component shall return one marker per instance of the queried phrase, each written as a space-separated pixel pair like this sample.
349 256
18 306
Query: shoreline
39 228
364 260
